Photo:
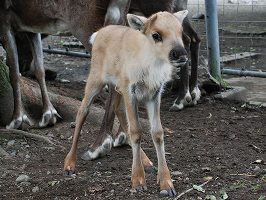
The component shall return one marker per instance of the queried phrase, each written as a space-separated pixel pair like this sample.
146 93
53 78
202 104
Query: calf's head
165 31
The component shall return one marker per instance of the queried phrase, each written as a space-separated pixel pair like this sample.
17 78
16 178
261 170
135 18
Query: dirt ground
222 140
213 139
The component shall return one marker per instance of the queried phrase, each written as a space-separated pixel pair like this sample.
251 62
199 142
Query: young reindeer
138 62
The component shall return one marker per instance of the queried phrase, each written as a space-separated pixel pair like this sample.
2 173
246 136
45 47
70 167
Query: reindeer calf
138 62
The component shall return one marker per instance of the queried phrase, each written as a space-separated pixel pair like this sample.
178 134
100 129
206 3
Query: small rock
23 178
27 156
177 173
11 143
50 135
35 189
64 81
256 169
220 167
25 183
13 153
49 148
4 175
186 180
21 154
23 143
73 124
232 136
206 169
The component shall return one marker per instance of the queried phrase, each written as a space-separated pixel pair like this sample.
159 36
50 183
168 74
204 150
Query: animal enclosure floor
213 139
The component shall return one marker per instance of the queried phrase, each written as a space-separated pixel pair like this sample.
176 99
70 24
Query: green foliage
262 198
4 78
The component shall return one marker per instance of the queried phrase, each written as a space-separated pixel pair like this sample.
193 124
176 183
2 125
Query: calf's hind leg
115 14
121 137
93 87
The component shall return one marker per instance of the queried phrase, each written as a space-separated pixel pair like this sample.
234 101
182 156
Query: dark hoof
151 170
139 189
70 173
120 140
176 107
188 99
100 151
169 192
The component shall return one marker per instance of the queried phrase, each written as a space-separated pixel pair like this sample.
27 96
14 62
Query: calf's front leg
135 134
163 177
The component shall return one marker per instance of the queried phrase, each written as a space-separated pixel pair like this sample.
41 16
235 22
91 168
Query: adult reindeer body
138 63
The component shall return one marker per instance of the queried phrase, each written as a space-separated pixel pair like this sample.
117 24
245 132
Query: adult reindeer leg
49 113
184 96
194 49
189 96
9 43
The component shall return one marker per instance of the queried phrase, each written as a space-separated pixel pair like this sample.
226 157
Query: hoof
169 192
120 140
17 123
69 173
179 104
49 118
100 151
151 170
139 189
177 107
195 94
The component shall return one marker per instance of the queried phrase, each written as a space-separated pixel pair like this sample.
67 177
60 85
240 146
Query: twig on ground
189 190
21 133
248 175
259 150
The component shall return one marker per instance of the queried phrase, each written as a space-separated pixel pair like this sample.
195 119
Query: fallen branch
21 133
189 190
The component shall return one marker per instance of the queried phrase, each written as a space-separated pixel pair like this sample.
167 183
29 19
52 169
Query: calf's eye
157 37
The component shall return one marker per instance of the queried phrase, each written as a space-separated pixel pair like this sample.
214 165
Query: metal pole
242 72
213 38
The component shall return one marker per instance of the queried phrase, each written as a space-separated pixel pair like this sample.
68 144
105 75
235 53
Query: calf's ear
136 22
180 15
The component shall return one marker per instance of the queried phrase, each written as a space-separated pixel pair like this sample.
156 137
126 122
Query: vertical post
213 47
